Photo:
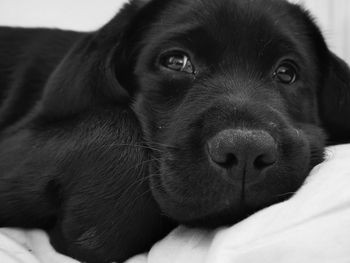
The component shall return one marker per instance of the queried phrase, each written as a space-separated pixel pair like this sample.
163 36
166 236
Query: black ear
334 101
333 91
87 77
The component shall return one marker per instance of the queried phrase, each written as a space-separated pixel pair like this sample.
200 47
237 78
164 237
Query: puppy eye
286 73
177 61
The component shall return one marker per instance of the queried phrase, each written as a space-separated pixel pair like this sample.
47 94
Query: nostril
243 151
264 160
221 152
230 161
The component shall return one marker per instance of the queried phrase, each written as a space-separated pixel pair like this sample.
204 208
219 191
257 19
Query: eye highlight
177 61
286 73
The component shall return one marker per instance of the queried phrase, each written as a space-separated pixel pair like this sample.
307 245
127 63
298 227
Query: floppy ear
334 101
87 77
333 92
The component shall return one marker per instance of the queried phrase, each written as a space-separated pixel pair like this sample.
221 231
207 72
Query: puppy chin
203 196
223 212
224 204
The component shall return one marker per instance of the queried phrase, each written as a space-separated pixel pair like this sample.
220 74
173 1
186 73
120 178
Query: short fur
101 146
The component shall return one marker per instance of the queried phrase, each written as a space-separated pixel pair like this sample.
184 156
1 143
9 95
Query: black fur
102 146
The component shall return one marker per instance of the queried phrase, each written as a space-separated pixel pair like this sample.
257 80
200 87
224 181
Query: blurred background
332 15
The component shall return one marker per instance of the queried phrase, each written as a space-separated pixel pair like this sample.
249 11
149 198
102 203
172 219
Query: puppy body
104 137
82 177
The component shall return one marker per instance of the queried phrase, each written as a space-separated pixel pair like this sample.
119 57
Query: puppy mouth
225 204
199 192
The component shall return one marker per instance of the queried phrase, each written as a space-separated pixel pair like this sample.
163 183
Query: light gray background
85 15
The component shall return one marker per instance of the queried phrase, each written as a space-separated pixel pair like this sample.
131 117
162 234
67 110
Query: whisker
139 181
164 145
135 145
285 194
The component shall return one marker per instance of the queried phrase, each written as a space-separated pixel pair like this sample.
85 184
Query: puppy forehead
234 26
224 10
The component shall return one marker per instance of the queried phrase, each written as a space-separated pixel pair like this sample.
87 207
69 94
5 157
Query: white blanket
311 227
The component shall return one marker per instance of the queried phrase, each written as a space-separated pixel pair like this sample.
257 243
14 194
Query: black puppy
197 111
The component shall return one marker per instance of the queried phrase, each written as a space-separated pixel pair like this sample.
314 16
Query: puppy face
234 99
227 92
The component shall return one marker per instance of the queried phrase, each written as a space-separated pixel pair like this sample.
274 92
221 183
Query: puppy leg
95 177
109 224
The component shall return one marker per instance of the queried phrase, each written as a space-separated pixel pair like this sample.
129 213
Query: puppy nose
243 152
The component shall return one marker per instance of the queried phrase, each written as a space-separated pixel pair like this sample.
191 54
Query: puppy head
228 91
231 96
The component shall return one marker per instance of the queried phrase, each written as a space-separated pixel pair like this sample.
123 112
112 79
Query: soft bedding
313 226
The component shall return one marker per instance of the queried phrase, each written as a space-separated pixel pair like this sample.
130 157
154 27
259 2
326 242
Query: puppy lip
224 211
186 211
